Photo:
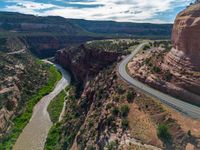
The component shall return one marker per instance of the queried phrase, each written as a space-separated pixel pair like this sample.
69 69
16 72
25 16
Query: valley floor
35 133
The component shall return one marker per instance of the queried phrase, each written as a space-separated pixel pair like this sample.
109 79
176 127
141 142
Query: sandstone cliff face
186 41
184 58
85 62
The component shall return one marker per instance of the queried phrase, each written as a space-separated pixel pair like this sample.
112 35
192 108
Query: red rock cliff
186 40
85 62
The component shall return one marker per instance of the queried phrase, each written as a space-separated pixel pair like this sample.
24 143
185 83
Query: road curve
184 107
35 133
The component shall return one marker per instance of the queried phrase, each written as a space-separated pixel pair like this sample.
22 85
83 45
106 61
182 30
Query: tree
115 111
156 69
124 110
130 95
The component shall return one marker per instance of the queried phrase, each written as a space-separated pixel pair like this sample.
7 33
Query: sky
152 11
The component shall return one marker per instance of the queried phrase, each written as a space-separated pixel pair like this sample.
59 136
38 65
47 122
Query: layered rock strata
185 53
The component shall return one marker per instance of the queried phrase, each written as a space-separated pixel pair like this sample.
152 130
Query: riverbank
55 133
35 133
56 106
21 121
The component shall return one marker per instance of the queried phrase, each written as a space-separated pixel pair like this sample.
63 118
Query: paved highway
184 107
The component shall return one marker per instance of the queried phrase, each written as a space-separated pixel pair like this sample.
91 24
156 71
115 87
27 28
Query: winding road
35 133
184 107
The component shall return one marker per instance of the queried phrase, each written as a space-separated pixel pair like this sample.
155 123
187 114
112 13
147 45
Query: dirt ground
142 127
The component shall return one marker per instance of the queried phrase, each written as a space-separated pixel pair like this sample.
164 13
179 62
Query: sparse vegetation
113 145
109 120
156 69
125 123
113 45
56 105
130 96
168 76
146 47
163 132
115 111
124 110
120 89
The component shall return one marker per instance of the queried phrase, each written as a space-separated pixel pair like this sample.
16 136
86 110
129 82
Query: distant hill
45 35
124 28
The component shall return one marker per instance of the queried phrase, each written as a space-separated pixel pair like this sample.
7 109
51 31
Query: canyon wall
85 62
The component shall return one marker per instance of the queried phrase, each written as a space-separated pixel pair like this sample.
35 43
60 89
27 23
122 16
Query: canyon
45 35
101 111
96 110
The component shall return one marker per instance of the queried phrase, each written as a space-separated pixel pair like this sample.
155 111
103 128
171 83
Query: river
35 133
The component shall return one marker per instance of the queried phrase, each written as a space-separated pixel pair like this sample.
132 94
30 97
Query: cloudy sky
156 11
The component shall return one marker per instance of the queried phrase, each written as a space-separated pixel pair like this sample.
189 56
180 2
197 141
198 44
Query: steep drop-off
88 59
85 63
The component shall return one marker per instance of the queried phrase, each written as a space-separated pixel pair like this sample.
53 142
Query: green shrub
120 90
115 111
156 69
147 61
109 120
163 132
146 47
91 123
125 123
130 96
168 76
124 110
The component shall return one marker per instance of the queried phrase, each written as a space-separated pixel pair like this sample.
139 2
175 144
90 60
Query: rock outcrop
85 62
184 58
185 53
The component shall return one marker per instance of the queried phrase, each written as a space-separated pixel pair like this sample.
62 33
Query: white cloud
118 10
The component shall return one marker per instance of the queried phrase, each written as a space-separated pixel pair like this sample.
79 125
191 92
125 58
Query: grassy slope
53 138
21 121
55 132
55 107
